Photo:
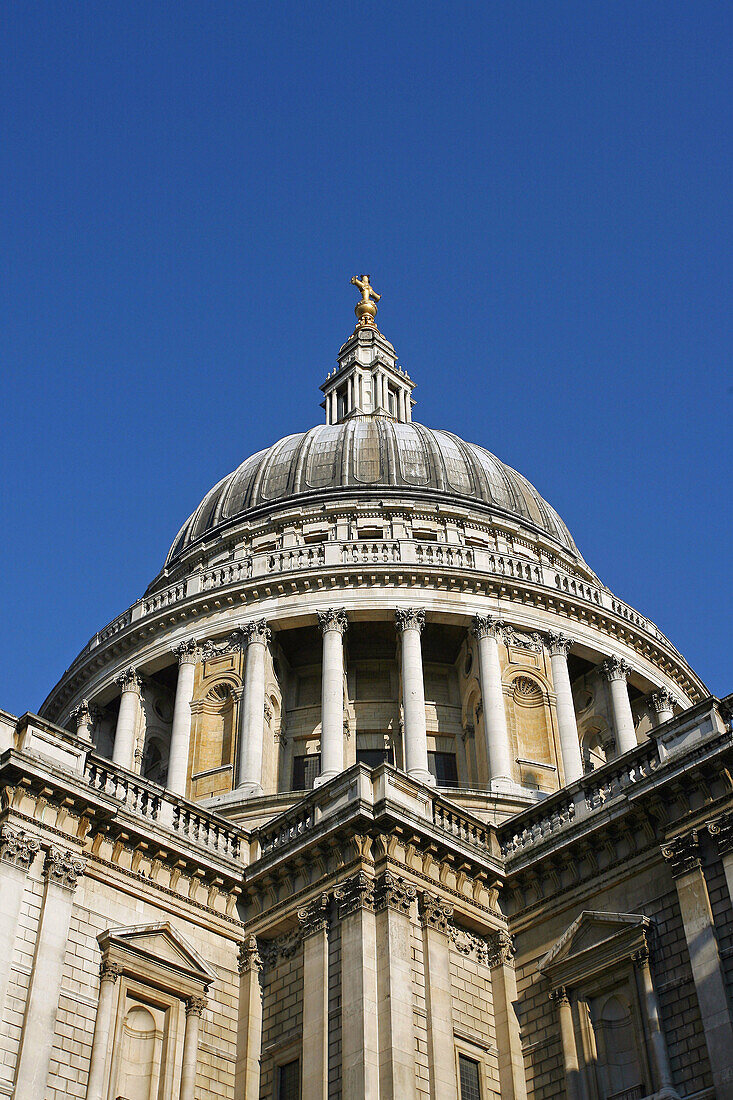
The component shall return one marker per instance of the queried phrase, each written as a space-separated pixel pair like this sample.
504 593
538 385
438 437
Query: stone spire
367 380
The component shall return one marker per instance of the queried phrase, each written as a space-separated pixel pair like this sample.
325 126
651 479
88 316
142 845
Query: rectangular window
469 1075
374 757
288 1081
305 770
443 766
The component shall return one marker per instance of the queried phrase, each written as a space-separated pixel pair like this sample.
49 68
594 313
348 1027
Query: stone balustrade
149 801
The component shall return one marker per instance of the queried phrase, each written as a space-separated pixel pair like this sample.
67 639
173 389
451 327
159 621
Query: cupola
367 380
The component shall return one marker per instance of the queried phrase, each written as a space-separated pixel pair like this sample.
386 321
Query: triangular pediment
160 945
590 931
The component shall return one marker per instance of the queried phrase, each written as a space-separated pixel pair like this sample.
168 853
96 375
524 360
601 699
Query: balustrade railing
464 828
595 790
299 557
364 553
230 572
155 804
285 828
438 553
165 598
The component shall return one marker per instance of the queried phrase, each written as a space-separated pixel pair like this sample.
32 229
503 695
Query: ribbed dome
371 453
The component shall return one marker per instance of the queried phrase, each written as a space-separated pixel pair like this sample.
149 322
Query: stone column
194 1010
124 746
249 1023
61 872
616 671
653 1018
436 916
17 852
662 702
188 654
567 1036
683 857
314 926
333 624
498 749
393 903
82 715
109 972
559 645
253 709
410 622
359 1032
512 1082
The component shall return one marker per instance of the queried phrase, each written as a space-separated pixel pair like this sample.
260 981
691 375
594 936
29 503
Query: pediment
157 945
595 934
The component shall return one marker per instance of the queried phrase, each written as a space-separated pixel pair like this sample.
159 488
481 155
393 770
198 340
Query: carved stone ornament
615 668
235 643
188 652
82 714
249 955
663 699
333 618
17 847
526 689
63 868
109 971
501 949
354 893
410 618
258 631
558 643
195 1005
721 829
435 913
282 947
313 918
392 892
130 681
560 996
268 712
469 944
531 642
486 626
683 854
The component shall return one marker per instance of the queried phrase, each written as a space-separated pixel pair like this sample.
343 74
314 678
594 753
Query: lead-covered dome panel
371 452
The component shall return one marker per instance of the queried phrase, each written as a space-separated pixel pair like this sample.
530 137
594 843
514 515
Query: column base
421 776
503 785
250 790
326 777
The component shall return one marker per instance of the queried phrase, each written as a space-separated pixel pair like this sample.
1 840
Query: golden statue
366 309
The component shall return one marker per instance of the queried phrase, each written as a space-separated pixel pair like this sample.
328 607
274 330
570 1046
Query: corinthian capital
615 668
683 854
63 868
249 956
333 618
558 643
663 699
258 632
409 618
501 949
82 714
188 652
435 913
486 626
17 847
195 1006
314 917
129 680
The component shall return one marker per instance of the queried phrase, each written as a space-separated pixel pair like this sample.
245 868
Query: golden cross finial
366 309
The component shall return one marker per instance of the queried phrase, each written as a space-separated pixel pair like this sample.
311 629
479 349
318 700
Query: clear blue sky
541 192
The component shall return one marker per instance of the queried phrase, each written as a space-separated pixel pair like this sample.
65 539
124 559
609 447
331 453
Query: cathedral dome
372 454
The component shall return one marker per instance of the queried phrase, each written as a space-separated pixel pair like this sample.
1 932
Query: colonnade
487 629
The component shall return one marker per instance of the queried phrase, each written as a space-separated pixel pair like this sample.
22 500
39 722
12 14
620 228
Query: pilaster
435 917
508 1039
314 922
393 902
359 1031
61 872
17 851
249 1023
682 854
